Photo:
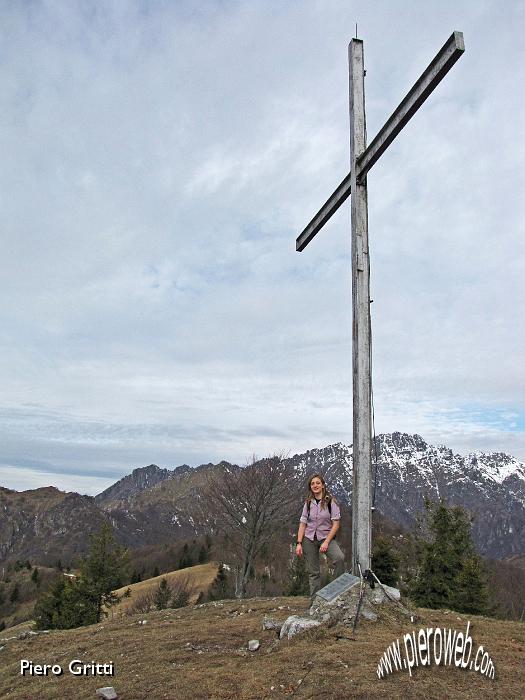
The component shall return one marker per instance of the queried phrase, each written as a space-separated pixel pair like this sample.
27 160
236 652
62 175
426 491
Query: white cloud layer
159 160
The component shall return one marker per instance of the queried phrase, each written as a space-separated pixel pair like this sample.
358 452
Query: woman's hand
326 542
299 549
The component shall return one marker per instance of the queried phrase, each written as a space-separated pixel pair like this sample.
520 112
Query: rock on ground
295 624
270 624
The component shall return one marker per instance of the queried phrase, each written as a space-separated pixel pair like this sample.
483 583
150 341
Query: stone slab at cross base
343 608
338 586
107 693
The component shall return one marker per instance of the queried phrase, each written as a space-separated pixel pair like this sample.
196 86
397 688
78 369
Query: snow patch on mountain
497 466
406 470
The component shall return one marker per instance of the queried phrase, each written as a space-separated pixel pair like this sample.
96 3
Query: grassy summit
201 653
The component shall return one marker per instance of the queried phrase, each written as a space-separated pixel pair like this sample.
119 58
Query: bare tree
249 506
142 604
182 590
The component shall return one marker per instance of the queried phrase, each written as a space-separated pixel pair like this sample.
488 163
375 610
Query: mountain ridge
154 504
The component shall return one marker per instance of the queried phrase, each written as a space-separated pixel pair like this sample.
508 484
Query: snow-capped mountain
490 485
153 505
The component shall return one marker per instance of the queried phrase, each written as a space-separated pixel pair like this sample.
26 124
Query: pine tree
299 584
104 569
48 605
81 601
471 594
203 555
156 572
220 588
15 593
66 605
35 577
186 559
162 595
385 562
450 572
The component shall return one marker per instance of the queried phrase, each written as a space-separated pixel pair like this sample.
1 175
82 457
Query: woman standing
318 526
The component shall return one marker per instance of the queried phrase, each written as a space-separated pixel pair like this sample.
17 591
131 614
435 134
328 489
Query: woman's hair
325 495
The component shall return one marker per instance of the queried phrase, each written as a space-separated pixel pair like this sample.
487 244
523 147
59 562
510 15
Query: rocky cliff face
153 505
164 510
491 486
44 525
139 480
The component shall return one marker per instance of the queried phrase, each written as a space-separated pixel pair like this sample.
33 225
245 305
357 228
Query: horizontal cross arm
430 78
332 204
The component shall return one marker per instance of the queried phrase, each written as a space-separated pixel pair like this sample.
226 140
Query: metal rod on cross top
361 161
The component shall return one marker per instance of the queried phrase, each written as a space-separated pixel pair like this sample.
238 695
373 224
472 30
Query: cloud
158 163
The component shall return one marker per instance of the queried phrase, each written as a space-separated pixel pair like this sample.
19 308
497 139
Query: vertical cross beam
361 496
361 160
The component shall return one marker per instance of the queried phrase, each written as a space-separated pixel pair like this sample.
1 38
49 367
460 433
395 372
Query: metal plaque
341 584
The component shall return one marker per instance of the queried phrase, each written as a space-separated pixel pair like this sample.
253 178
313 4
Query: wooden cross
362 158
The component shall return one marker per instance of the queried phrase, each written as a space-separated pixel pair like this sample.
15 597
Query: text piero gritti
76 667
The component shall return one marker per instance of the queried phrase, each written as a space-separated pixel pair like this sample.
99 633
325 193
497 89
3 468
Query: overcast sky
159 160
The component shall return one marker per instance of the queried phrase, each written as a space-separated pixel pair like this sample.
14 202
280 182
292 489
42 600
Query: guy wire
374 441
